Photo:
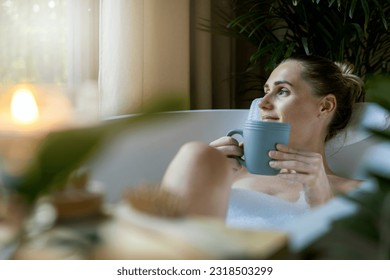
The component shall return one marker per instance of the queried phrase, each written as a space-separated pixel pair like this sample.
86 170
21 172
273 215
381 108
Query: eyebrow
279 83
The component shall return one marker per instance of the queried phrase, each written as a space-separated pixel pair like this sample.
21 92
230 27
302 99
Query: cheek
301 118
294 113
299 109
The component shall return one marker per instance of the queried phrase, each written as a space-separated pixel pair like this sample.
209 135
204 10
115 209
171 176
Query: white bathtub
141 154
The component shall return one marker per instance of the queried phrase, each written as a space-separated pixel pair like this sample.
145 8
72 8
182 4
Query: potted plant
350 30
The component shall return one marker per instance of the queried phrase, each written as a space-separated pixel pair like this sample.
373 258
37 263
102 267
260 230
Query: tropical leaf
339 30
378 90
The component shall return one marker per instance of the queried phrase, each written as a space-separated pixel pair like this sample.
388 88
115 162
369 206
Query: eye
283 92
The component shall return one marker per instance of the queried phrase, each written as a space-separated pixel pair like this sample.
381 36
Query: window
48 41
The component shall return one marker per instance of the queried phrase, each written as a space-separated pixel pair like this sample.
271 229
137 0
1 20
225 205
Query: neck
317 147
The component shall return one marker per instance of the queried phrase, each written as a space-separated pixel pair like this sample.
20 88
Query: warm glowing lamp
34 109
27 114
24 108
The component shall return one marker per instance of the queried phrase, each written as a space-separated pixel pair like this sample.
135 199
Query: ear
327 105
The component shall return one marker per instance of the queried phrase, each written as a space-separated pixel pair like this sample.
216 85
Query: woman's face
289 98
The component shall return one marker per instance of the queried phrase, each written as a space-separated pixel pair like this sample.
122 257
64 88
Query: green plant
352 30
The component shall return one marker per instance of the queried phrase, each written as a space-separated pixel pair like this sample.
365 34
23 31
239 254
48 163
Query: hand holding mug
306 168
231 148
260 137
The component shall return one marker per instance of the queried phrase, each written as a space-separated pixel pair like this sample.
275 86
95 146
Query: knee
200 152
199 173
201 156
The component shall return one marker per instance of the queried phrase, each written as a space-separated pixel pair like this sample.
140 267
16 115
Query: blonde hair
354 82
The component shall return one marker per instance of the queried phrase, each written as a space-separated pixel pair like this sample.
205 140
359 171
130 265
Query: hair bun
354 82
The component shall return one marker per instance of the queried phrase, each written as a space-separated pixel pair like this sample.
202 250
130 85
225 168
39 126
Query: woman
316 97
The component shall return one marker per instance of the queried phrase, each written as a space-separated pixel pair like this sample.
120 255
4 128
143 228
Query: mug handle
239 132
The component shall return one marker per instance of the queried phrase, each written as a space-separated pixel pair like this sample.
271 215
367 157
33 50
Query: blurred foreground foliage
62 152
366 233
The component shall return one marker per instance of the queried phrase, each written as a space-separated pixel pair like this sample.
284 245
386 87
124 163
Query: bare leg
201 175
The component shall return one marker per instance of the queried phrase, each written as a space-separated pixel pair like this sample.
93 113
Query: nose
266 102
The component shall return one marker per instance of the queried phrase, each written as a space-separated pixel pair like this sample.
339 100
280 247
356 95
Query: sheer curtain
152 48
144 52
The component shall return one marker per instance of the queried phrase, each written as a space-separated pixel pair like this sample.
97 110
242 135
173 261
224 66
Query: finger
231 150
224 141
313 158
297 166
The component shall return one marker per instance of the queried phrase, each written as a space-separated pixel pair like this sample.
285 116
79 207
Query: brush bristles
155 201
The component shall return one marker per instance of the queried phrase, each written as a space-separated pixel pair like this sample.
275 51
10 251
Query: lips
269 118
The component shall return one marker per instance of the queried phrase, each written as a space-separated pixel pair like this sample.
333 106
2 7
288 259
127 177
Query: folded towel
254 110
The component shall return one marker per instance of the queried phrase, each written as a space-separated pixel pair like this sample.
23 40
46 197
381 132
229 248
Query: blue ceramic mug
259 138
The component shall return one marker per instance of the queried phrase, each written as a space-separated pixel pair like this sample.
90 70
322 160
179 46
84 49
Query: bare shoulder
343 185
